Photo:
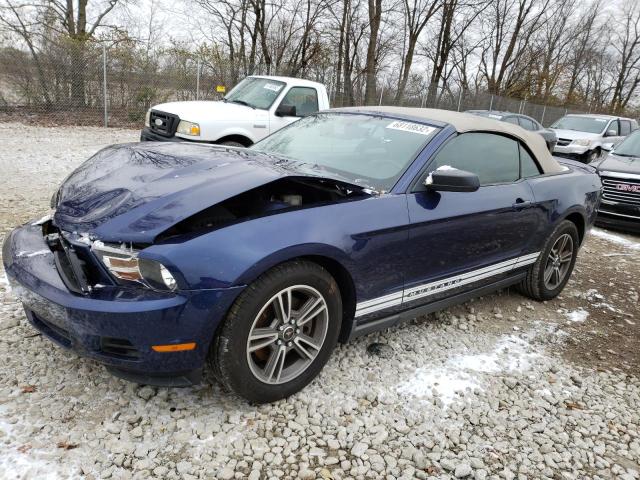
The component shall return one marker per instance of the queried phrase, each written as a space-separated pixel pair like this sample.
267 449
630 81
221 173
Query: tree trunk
375 15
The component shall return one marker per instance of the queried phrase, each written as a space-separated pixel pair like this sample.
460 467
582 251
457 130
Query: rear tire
279 333
550 273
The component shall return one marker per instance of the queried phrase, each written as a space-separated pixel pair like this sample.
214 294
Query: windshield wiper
631 155
242 102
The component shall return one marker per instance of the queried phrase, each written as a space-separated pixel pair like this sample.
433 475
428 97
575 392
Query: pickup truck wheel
230 143
550 273
279 333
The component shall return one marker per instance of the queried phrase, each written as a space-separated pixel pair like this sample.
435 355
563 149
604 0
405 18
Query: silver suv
585 137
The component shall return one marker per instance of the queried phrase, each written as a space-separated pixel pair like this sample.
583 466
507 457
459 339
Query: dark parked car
620 174
524 121
163 257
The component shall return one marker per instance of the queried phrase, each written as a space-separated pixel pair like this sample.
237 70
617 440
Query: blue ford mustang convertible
165 260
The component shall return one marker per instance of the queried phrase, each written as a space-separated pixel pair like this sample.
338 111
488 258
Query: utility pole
104 85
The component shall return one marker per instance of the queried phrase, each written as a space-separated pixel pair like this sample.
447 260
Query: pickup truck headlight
147 119
583 142
125 265
188 128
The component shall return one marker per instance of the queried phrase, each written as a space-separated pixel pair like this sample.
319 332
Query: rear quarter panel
558 196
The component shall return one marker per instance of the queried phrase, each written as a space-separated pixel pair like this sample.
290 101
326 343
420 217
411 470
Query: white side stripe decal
427 289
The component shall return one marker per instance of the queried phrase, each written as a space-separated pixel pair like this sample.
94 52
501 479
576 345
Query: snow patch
32 254
440 382
443 168
44 219
464 373
577 316
4 281
511 354
617 239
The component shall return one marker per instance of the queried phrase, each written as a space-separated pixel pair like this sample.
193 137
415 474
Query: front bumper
571 150
148 135
114 325
619 216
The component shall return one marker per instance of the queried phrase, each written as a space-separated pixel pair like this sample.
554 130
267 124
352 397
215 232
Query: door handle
521 204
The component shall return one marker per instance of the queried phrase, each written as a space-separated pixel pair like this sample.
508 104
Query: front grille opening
163 123
78 268
118 347
621 191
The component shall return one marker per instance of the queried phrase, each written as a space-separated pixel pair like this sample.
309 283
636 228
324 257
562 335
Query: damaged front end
86 262
280 196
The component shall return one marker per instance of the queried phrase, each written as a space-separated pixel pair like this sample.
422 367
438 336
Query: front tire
231 143
279 333
550 273
592 156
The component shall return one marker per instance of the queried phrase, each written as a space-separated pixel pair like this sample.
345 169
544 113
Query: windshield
630 146
581 124
371 151
255 92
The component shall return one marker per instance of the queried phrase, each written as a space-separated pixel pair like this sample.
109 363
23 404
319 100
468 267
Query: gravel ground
497 388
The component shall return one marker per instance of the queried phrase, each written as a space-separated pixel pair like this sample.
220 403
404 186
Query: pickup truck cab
253 109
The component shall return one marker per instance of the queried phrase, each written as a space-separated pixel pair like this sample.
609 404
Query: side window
513 120
634 125
305 99
625 127
528 166
527 124
494 158
614 126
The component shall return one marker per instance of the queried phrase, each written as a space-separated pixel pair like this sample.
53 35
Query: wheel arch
236 137
347 290
329 258
579 220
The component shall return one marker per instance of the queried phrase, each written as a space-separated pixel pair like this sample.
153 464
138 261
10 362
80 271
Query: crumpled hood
134 192
620 164
195 111
575 135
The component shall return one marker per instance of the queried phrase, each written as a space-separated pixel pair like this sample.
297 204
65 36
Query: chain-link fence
115 86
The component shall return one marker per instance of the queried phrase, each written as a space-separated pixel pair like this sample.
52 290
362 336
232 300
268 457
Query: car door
305 99
612 134
459 239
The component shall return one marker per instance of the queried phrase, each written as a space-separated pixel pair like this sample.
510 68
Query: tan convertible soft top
466 122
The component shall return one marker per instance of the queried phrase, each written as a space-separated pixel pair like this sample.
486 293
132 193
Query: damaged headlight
123 263
188 128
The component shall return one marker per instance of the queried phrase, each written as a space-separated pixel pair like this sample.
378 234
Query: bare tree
417 14
509 26
627 45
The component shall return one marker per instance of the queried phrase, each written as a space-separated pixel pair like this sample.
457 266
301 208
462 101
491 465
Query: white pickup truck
254 108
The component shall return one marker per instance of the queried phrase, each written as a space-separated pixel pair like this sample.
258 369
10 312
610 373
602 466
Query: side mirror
452 180
286 111
611 133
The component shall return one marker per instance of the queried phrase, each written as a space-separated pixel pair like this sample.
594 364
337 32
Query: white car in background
585 137
254 108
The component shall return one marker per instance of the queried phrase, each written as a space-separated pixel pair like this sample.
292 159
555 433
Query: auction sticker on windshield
411 127
271 86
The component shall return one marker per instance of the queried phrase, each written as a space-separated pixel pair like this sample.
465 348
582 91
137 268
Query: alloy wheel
287 334
558 262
